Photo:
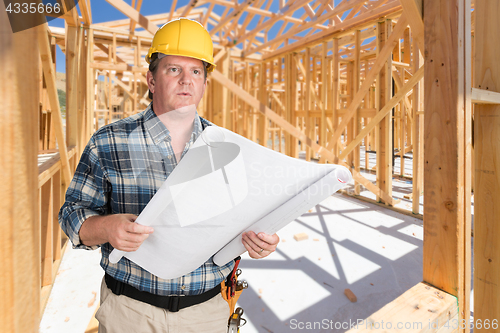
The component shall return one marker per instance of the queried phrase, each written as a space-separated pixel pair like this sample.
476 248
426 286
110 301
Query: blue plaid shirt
120 170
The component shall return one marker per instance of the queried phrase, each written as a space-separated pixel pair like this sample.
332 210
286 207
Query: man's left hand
261 245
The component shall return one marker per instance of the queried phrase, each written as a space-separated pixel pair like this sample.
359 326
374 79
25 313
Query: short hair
153 67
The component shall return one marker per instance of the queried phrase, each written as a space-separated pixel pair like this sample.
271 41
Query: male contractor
108 192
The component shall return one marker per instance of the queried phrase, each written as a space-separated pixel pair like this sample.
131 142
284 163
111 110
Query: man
108 191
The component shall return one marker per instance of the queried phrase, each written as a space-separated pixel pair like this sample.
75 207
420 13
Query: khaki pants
122 314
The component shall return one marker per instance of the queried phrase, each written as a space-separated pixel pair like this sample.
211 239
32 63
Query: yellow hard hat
183 37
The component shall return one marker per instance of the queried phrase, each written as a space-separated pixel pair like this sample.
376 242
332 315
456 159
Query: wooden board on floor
422 308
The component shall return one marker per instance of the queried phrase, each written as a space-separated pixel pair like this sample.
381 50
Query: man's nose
185 78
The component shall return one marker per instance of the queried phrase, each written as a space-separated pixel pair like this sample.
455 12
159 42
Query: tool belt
172 303
228 287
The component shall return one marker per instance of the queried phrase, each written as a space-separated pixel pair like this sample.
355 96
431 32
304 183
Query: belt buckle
174 302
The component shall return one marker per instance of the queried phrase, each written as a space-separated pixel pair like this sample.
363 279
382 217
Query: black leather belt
170 303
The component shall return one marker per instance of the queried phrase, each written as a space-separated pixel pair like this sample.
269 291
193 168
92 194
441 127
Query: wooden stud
380 62
20 235
402 132
349 134
308 102
82 91
335 90
417 134
356 120
113 49
383 113
46 222
486 153
50 79
226 104
72 37
384 129
413 9
447 95
324 80
57 202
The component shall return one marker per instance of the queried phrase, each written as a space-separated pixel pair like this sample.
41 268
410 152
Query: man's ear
151 81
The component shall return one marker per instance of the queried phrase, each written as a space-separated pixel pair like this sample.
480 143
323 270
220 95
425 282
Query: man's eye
173 69
196 71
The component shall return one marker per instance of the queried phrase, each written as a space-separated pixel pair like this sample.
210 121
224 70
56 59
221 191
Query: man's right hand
118 229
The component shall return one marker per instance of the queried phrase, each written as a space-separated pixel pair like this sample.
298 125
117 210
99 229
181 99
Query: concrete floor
375 252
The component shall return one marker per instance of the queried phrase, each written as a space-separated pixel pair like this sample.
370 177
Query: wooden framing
20 236
486 152
447 149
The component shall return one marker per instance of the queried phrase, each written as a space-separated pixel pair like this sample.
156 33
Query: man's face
178 82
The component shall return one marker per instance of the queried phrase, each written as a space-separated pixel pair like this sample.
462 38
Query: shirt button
183 287
169 157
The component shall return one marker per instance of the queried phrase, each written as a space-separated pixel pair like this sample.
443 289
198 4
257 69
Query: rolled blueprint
223 186
287 212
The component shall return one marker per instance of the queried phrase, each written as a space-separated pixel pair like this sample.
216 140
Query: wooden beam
421 309
235 15
207 14
306 25
447 112
399 84
307 102
338 30
90 96
82 90
46 224
122 85
383 112
134 15
356 120
138 8
70 16
413 11
155 19
50 80
294 131
482 96
290 103
72 58
106 50
266 13
335 89
172 10
85 10
367 83
89 9
20 231
188 8
417 133
486 154
324 79
383 89
118 67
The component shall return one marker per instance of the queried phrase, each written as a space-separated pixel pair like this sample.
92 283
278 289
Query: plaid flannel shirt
120 170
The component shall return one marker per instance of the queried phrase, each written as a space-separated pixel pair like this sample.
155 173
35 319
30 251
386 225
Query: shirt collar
159 132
